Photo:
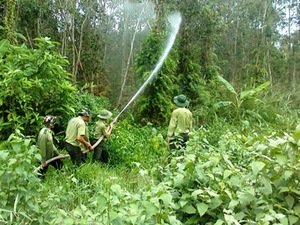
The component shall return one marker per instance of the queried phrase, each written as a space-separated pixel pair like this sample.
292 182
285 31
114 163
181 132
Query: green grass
93 175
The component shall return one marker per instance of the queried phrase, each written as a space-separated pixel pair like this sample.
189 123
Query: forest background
238 63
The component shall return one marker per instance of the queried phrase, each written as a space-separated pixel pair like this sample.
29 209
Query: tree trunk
129 59
9 21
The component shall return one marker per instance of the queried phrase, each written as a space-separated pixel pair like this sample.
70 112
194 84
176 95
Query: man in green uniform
46 145
100 151
77 136
180 124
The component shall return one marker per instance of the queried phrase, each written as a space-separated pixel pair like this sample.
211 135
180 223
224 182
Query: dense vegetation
242 163
225 176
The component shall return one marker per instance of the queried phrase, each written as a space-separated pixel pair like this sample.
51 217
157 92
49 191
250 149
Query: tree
248 50
34 83
156 103
200 30
9 21
126 64
36 19
101 39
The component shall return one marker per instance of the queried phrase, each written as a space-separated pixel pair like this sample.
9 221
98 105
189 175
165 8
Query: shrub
130 143
19 203
244 179
34 83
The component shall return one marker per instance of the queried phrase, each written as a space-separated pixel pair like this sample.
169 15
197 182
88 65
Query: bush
130 143
243 179
19 203
34 83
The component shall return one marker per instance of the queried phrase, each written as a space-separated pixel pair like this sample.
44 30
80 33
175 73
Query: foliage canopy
34 83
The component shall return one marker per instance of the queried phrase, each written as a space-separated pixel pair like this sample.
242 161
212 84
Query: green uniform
48 150
180 123
100 152
77 126
45 144
100 129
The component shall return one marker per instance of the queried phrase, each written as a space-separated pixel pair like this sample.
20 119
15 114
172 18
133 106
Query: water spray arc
174 20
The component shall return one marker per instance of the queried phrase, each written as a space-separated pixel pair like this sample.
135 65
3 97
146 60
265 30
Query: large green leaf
215 202
222 104
202 208
150 208
293 219
267 187
188 208
167 198
257 167
3 155
233 204
227 84
246 197
296 134
248 93
290 200
226 173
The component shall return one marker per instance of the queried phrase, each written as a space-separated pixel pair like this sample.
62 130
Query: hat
104 114
85 112
181 100
49 120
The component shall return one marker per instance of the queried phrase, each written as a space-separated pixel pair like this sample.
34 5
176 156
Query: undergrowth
226 175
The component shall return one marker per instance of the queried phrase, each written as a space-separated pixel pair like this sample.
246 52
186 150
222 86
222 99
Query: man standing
46 146
180 124
77 136
100 151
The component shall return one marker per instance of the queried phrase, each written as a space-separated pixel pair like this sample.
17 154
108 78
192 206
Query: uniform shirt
45 143
181 122
100 129
76 126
